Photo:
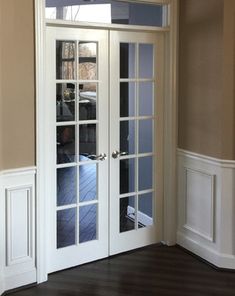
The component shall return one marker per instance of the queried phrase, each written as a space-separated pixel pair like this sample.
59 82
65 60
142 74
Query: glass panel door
135 139
77 119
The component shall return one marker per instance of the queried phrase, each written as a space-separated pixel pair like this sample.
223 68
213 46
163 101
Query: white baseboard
205 207
21 279
210 255
17 228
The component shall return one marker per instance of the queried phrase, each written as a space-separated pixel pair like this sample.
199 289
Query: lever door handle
116 153
101 157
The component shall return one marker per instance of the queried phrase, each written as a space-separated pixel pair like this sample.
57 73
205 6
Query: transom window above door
106 11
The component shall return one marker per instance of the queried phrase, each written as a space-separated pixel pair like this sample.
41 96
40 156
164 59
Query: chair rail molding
206 201
17 228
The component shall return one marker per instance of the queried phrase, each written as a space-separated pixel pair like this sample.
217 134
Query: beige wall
228 98
200 76
17 89
206 80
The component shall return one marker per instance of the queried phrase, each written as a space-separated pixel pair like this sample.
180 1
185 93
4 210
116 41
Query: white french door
77 146
136 137
103 144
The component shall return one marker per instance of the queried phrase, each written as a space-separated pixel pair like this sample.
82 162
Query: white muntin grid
77 123
137 118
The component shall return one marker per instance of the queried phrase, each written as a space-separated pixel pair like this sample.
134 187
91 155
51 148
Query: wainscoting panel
17 200
199 203
206 203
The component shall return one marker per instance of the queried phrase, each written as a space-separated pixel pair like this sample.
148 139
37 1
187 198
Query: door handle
116 153
100 157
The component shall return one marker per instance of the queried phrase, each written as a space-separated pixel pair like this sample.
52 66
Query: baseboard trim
19 280
218 260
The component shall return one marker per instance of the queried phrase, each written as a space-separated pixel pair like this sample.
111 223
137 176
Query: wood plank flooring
151 271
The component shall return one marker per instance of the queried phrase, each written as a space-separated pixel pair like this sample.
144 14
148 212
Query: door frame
170 121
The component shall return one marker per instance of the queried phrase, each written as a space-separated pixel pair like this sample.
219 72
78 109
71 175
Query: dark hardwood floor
151 271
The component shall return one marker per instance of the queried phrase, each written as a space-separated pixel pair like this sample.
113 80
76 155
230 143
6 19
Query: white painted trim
223 163
220 260
209 237
19 171
171 128
74 24
218 246
40 145
17 265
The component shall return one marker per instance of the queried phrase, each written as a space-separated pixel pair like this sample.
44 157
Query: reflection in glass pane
65 102
145 135
145 173
127 99
87 141
127 175
87 182
103 11
127 213
65 144
127 136
87 60
145 210
65 60
87 223
87 101
146 60
127 60
145 98
66 186
66 228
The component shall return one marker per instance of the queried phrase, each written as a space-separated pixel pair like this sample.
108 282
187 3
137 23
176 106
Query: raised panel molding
19 221
199 203
205 207
17 228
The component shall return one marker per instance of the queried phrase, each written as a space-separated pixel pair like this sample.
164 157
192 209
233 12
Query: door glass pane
87 101
87 223
65 60
87 141
66 220
145 135
145 210
145 173
65 102
127 99
127 213
146 60
127 175
87 182
65 144
103 11
127 136
145 98
66 186
127 60
87 60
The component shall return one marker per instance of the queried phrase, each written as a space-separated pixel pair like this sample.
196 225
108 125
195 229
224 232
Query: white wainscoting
206 206
17 228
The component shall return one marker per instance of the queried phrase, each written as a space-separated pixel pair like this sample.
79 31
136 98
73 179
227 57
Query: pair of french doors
104 143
